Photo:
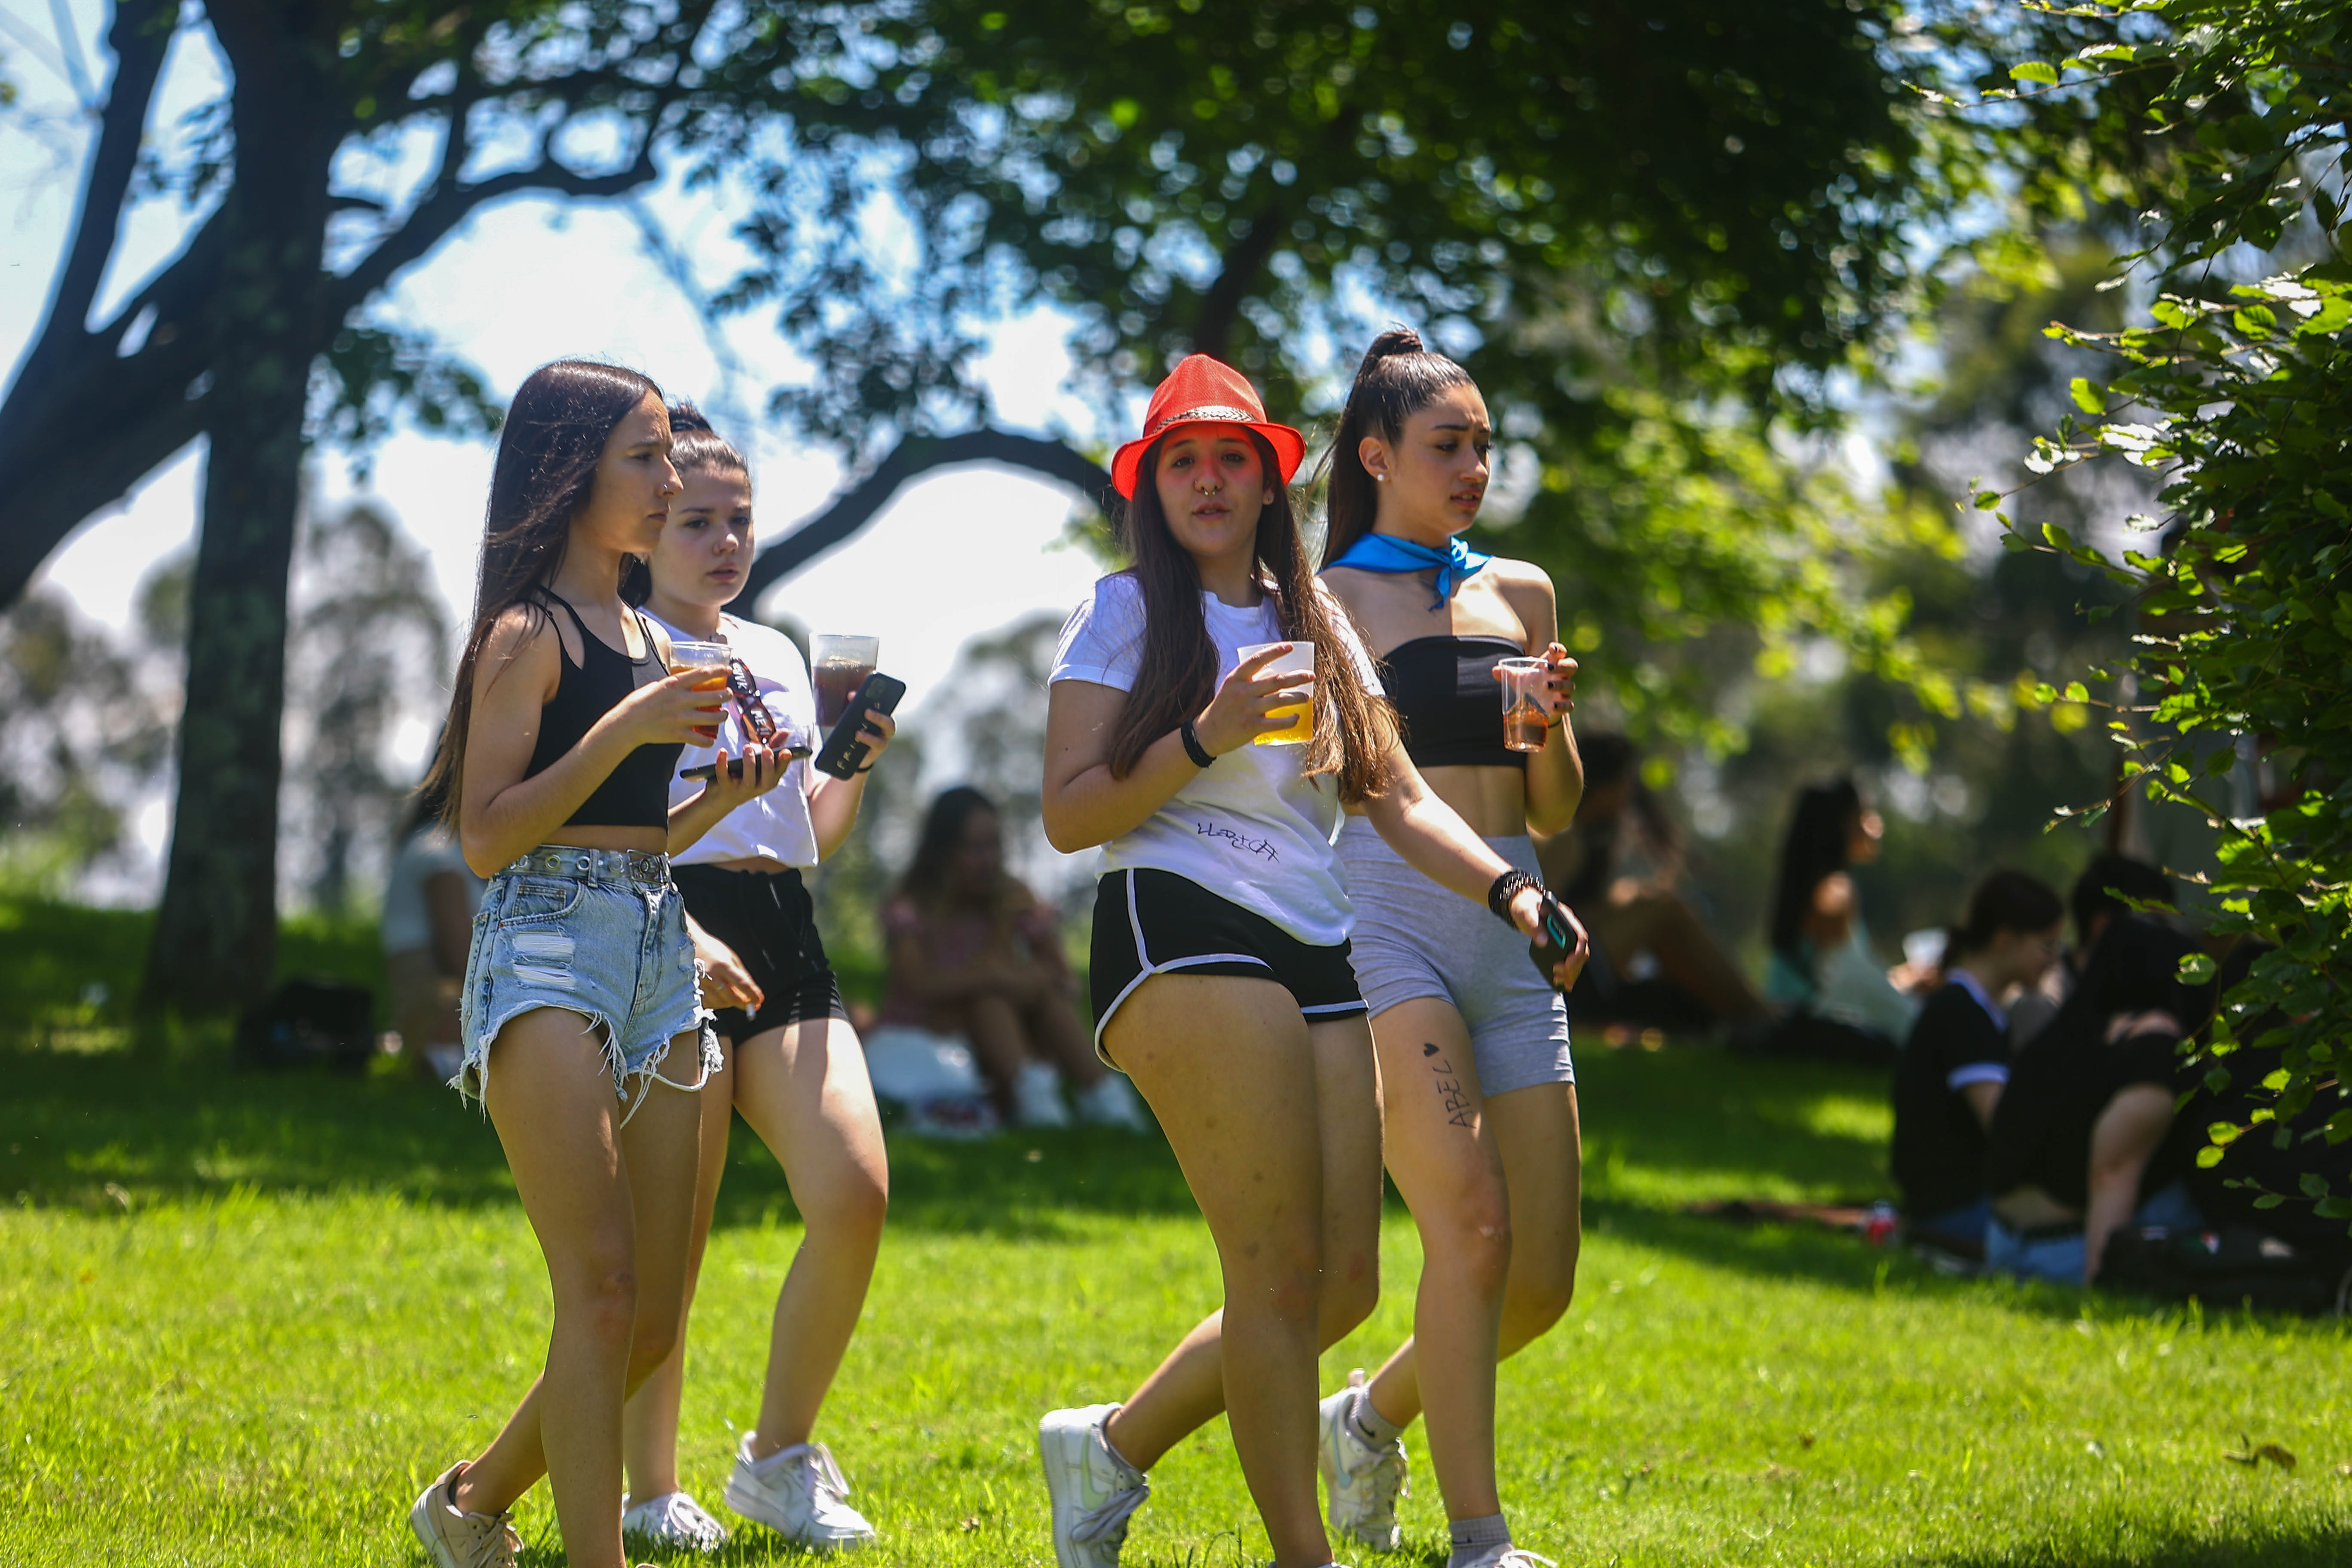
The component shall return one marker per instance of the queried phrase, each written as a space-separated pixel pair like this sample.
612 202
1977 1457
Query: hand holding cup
1252 704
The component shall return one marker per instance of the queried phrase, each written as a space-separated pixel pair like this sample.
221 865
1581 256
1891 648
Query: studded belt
650 867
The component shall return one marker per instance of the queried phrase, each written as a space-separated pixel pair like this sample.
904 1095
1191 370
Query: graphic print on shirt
1240 841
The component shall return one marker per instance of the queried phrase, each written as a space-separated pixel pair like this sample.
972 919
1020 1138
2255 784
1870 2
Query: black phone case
845 749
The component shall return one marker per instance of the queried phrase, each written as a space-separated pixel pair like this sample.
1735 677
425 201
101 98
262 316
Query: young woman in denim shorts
584 1036
1220 972
789 1059
1477 1086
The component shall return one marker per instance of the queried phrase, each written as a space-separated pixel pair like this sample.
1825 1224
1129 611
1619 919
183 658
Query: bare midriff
2030 1208
1493 801
572 836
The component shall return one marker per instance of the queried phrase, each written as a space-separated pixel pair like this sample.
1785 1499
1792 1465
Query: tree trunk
215 948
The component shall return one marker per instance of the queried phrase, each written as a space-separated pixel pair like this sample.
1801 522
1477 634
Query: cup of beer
684 654
841 662
1525 684
1299 661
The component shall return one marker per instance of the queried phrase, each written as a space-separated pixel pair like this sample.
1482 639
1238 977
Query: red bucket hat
1203 391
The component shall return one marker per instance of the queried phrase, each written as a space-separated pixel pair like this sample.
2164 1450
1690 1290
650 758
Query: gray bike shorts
1415 939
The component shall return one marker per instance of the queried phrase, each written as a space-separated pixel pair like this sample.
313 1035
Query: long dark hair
943 824
2004 900
695 448
2134 968
1353 731
1815 847
1399 378
555 431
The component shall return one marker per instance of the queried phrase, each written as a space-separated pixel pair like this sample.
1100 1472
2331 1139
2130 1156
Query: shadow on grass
76 1129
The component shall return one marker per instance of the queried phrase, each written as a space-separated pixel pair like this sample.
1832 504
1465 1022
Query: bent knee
852 1210
1538 1298
602 1301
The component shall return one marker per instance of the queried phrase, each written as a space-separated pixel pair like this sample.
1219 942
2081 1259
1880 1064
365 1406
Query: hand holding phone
845 749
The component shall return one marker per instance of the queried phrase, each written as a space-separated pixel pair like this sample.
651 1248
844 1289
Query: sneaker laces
677 1514
1520 1557
490 1540
826 1483
1109 1522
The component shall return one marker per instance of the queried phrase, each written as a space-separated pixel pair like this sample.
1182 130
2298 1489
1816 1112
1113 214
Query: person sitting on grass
2084 1139
2098 896
1637 922
976 956
1840 1003
1957 1060
430 895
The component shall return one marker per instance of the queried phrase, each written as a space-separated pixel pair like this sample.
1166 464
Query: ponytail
1399 378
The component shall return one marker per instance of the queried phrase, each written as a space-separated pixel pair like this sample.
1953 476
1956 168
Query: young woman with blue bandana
1478 1089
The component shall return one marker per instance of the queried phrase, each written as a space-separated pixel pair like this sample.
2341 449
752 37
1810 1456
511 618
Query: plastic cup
1525 683
684 654
841 662
1299 661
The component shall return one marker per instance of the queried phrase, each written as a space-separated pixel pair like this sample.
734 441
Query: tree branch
141 34
451 203
1213 329
857 507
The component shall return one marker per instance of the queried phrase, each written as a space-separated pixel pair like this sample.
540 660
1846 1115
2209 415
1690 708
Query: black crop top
636 794
1448 701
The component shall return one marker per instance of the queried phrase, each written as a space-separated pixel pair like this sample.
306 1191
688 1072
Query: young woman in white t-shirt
1221 979
793 1064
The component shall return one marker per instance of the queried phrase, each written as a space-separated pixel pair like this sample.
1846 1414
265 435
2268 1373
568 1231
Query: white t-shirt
776 825
1253 828
407 923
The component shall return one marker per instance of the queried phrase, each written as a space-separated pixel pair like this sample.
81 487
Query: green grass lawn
243 1319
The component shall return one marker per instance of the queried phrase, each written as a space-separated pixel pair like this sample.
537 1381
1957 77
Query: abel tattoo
1458 1108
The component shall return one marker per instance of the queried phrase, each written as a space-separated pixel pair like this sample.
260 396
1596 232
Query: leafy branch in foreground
2235 394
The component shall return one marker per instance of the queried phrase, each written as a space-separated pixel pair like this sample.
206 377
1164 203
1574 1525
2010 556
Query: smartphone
735 764
1558 939
845 749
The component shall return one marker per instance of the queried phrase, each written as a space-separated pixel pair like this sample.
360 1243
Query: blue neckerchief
1386 552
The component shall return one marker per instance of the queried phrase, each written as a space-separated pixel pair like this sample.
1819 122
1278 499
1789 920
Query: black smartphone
1558 939
845 749
735 764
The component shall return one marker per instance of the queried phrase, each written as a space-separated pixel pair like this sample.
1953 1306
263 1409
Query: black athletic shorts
1150 922
767 918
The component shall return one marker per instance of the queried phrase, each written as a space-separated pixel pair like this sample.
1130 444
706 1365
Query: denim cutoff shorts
598 944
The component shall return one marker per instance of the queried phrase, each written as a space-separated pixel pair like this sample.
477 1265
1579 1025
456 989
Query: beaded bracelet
1508 886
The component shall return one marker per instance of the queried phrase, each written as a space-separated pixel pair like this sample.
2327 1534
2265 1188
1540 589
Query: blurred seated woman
2084 1139
1617 868
429 898
1840 1002
1956 1062
975 957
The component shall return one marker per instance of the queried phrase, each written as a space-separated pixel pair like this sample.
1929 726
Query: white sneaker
672 1520
1360 1483
1502 1557
455 1540
797 1492
1111 1101
1092 1488
1037 1096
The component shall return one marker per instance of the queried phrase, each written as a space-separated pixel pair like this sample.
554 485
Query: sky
959 554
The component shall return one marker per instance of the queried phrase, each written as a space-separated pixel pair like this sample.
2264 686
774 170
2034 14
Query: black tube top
637 792
1448 701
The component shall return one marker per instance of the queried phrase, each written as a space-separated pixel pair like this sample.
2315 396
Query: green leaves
2239 396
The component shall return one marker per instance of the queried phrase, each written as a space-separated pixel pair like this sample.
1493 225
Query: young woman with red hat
1220 978
1487 1156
